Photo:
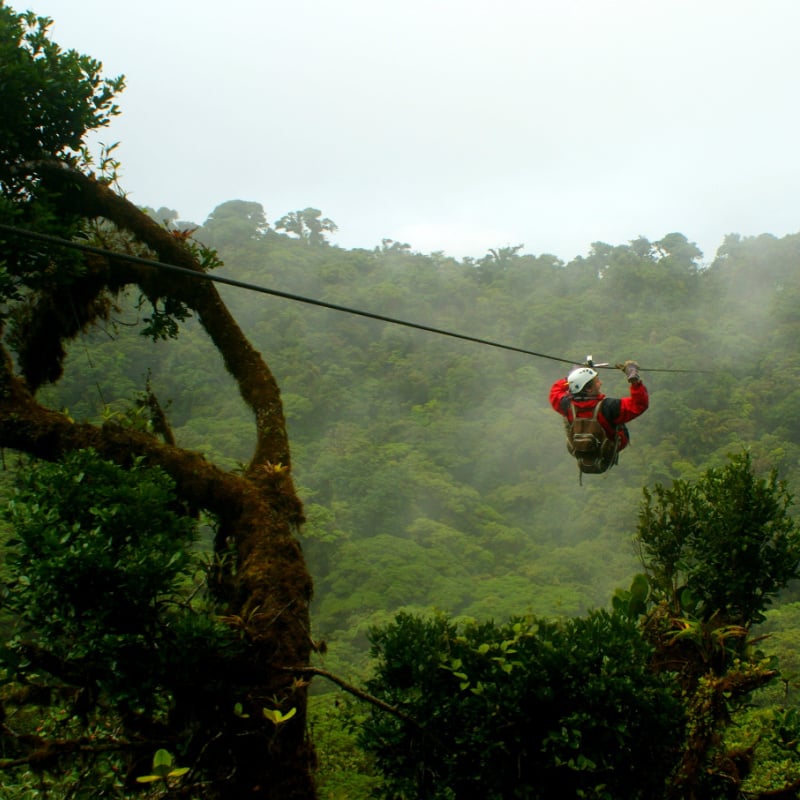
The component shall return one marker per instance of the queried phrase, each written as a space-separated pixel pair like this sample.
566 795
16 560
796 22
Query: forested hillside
433 471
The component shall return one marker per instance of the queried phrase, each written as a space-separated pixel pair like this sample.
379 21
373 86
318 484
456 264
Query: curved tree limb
356 692
258 510
256 383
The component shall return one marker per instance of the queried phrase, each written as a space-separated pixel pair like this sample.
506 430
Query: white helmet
579 377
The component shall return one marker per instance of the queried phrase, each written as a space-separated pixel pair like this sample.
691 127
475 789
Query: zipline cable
56 240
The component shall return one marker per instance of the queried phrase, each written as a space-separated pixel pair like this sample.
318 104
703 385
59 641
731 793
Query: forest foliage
434 474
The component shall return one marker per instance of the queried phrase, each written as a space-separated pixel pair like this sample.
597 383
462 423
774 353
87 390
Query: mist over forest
434 473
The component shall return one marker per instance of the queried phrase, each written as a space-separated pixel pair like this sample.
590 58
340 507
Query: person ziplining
596 424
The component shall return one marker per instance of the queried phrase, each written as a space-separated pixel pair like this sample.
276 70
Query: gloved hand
631 371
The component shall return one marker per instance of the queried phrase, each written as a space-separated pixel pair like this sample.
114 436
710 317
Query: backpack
589 443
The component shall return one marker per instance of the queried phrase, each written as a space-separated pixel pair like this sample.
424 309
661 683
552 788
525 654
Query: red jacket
613 414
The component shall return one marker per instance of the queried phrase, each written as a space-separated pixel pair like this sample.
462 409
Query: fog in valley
434 473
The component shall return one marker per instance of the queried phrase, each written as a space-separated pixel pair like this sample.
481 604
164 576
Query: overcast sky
459 125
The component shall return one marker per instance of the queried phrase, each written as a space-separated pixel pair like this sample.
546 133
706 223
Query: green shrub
529 708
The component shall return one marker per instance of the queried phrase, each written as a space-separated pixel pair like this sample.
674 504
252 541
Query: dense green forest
479 617
434 474
433 471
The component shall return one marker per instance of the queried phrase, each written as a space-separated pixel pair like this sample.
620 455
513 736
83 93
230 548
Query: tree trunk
269 591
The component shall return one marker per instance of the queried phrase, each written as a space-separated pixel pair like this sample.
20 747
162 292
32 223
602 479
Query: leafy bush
114 630
98 550
87 529
529 708
723 546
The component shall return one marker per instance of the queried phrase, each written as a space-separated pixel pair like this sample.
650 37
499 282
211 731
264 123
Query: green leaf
162 762
177 772
277 717
148 778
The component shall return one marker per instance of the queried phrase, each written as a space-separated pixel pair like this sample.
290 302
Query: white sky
459 125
